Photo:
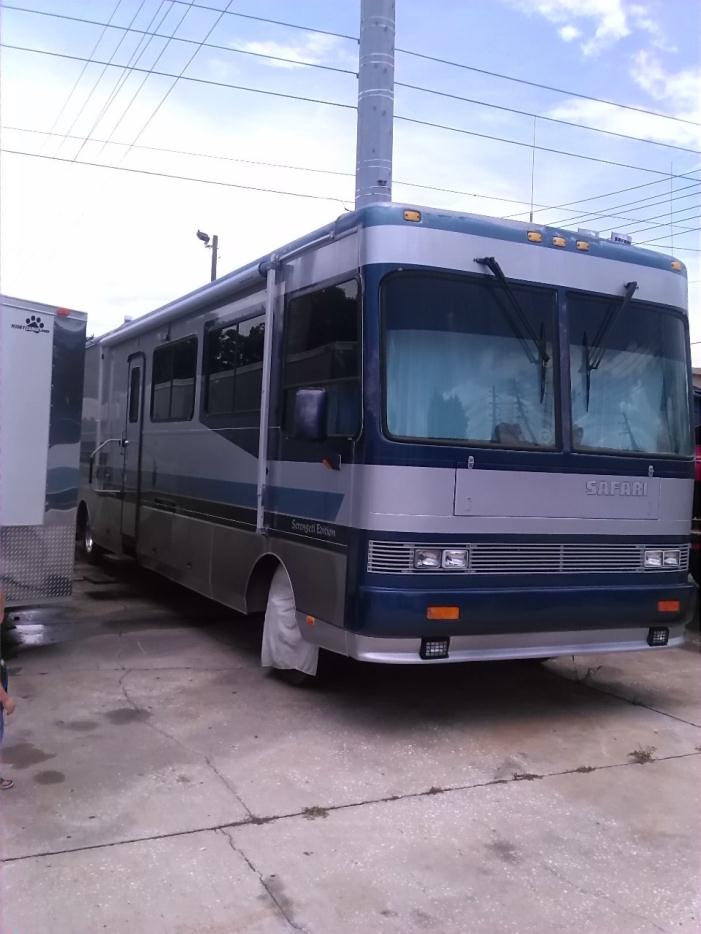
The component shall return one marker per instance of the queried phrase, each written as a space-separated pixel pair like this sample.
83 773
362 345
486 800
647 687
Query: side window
173 390
134 394
322 350
234 368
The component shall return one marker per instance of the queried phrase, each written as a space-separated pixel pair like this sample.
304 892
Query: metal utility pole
373 167
205 238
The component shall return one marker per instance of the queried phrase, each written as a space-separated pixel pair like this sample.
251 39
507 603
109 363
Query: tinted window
234 366
322 350
173 391
630 388
460 365
134 394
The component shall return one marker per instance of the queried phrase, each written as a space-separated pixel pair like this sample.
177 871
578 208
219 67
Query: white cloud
569 33
603 22
319 49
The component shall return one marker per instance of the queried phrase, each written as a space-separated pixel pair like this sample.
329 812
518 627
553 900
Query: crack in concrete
193 752
626 700
283 911
254 821
625 910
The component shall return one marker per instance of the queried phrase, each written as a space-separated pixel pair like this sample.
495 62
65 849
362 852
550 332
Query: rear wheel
284 650
89 551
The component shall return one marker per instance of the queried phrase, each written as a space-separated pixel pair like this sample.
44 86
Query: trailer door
131 447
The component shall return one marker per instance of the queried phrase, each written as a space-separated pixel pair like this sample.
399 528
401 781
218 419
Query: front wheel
284 650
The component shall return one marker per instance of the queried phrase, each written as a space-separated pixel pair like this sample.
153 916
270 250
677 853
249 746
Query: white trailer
42 352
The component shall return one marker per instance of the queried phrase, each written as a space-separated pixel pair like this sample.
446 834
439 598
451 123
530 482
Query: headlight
653 558
428 558
455 559
671 559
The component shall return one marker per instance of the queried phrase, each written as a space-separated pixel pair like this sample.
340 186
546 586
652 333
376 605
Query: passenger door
131 449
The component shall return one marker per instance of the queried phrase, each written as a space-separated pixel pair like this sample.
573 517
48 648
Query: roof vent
621 238
584 232
128 319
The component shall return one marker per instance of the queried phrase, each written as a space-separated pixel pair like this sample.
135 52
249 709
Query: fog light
658 635
670 559
455 559
434 648
653 558
427 558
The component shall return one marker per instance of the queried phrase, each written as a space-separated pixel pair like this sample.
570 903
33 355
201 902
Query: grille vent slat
521 558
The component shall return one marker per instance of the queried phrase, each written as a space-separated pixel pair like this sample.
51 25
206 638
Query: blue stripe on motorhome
312 504
62 479
389 612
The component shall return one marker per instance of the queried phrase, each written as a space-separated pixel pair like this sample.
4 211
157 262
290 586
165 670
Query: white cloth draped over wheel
283 646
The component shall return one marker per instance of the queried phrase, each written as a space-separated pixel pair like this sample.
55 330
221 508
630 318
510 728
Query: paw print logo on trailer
34 323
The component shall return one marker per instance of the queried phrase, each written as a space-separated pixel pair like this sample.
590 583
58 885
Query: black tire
87 549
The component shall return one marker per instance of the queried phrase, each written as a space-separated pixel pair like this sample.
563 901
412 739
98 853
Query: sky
117 242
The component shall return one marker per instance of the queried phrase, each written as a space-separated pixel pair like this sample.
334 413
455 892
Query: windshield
458 366
632 395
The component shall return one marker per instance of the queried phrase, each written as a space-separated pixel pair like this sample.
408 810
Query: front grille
522 558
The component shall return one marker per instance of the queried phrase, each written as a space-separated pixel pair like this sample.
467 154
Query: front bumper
406 651
389 624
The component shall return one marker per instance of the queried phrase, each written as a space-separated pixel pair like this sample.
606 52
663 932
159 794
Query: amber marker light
414 216
443 612
668 606
535 236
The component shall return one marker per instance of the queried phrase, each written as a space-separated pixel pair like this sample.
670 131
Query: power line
414 87
443 61
545 87
169 74
100 76
266 164
145 78
177 78
84 68
515 142
134 59
610 212
205 45
274 22
693 217
168 175
666 219
672 247
608 194
412 120
639 204
527 113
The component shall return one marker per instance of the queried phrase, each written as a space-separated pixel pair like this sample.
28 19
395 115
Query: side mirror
310 415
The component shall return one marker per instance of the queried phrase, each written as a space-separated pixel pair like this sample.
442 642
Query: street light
205 238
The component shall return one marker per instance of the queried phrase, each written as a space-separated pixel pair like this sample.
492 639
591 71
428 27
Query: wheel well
82 517
259 583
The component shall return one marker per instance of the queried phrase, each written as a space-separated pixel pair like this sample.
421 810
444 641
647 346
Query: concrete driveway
165 783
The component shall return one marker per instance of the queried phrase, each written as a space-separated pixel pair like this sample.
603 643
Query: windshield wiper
594 353
540 357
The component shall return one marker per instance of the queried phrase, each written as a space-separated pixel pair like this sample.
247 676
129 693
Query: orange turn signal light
310 621
668 606
443 612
